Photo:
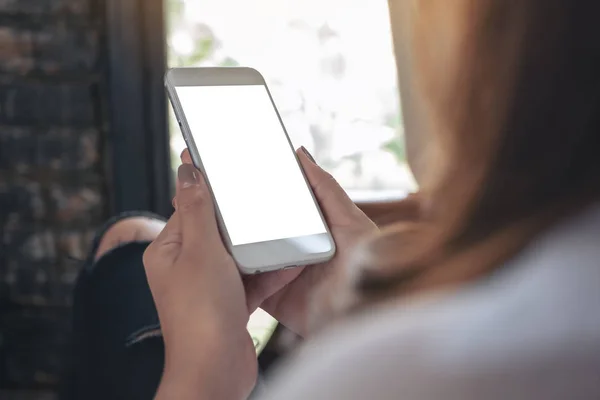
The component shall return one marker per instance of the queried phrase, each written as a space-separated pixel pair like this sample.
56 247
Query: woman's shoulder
532 330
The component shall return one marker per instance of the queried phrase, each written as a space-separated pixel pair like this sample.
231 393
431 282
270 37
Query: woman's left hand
200 300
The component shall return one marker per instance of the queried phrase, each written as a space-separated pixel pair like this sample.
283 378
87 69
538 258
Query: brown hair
511 89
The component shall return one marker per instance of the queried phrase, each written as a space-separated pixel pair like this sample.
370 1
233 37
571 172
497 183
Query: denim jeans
117 350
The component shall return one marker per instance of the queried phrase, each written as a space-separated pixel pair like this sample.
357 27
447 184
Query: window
331 69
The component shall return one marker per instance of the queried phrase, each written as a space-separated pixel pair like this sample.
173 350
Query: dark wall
52 175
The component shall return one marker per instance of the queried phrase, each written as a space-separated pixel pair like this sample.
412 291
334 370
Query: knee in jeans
129 230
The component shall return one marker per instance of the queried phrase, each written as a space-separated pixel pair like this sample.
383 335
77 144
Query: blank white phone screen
256 180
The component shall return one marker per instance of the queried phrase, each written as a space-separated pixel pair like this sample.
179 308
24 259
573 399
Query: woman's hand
200 300
287 294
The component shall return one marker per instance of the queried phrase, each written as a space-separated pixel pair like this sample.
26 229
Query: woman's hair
511 91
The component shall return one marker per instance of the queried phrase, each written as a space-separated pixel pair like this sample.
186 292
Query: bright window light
331 69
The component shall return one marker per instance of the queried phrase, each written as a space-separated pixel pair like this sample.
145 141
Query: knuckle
328 176
193 199
332 181
326 183
149 256
335 185
327 179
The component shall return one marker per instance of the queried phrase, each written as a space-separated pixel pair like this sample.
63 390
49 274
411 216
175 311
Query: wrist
188 369
207 372
175 386
208 384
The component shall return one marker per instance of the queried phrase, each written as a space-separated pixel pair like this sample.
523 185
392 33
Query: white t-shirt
530 332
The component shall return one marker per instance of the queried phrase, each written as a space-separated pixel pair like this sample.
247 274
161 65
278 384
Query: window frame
137 146
138 116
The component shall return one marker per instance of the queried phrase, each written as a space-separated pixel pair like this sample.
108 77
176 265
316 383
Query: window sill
376 196
385 206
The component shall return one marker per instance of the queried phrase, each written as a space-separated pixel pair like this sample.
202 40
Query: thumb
198 223
332 198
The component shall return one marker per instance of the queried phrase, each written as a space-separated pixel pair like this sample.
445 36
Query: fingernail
187 175
310 157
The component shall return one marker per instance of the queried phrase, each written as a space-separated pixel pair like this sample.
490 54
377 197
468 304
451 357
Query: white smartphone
267 213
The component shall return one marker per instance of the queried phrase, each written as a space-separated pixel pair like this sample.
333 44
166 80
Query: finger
195 209
331 196
165 248
185 157
170 231
261 287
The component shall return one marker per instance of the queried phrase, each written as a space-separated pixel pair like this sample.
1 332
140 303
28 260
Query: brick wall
52 186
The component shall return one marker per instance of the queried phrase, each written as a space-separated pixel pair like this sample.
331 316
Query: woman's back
531 331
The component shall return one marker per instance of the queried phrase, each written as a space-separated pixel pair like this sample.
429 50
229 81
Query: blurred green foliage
205 46
396 146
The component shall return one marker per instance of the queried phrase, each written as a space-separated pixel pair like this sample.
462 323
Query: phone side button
290 267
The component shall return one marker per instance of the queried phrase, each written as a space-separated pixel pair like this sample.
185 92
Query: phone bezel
261 256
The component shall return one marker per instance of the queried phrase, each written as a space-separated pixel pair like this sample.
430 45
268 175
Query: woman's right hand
287 294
